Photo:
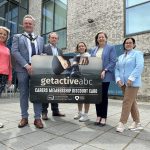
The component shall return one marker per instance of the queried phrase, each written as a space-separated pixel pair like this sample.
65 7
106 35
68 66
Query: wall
35 10
144 92
108 16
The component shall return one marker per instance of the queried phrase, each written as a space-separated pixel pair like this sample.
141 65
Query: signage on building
46 85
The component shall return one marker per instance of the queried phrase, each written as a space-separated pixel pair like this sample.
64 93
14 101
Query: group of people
126 70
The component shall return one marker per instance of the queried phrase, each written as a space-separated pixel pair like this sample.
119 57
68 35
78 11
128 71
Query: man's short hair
29 16
53 33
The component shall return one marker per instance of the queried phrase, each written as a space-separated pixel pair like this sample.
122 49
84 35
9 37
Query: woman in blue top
107 54
128 77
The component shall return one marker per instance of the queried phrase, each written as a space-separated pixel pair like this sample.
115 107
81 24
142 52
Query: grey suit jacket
20 51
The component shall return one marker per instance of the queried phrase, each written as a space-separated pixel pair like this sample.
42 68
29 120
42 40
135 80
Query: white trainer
120 127
135 126
1 125
78 116
84 118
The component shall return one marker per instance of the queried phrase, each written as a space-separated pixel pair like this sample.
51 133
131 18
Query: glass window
60 14
137 17
22 13
12 18
3 9
24 3
45 38
54 16
62 38
130 3
48 10
11 15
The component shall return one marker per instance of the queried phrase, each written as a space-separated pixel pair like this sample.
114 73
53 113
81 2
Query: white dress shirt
54 50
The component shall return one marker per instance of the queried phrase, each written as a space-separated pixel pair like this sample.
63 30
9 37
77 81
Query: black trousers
57 69
3 81
54 107
101 109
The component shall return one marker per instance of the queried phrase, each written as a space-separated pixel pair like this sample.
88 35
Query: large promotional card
76 84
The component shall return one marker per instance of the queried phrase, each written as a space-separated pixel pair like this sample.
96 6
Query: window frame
7 9
10 2
64 28
125 20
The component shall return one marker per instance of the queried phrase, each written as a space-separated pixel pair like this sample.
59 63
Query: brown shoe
58 114
38 123
23 122
44 116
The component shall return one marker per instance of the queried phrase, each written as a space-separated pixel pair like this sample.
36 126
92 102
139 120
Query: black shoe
44 116
59 114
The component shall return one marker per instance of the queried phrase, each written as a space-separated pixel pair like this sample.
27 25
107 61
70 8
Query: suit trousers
57 69
129 104
101 109
54 107
23 83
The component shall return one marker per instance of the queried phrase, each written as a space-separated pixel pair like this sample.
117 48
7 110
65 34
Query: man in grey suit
24 46
59 65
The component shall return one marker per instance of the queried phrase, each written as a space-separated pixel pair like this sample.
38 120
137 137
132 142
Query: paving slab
65 133
139 145
59 143
110 141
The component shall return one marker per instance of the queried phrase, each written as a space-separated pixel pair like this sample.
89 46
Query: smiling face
3 36
53 39
28 25
81 48
101 39
129 44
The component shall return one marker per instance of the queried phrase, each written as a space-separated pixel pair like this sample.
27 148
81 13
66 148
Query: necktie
32 45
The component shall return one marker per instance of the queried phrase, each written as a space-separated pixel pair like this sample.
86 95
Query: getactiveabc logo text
66 81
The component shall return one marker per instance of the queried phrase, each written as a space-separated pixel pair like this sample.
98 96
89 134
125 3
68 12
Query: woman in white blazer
128 72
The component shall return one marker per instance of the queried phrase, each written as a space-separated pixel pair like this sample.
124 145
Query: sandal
98 120
103 122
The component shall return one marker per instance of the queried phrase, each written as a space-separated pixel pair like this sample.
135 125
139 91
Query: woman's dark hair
133 40
77 47
96 37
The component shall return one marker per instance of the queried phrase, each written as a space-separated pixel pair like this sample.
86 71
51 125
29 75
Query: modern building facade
11 14
76 21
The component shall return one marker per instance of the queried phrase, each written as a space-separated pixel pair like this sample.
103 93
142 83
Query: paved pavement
69 134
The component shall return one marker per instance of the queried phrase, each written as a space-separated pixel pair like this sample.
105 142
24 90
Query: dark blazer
56 65
48 50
